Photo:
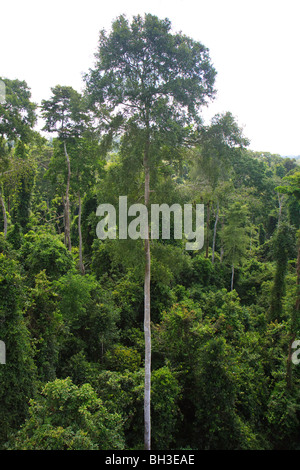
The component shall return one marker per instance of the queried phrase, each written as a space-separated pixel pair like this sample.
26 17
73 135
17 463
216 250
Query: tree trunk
207 229
4 214
222 246
81 265
67 203
232 277
215 235
147 331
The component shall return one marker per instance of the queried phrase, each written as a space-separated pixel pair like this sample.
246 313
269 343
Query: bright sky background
254 46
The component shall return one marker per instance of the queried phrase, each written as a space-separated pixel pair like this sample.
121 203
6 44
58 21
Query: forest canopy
140 343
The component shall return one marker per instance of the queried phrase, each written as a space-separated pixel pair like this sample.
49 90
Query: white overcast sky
254 46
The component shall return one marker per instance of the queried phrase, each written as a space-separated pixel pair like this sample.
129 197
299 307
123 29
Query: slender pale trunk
215 234
222 247
67 203
207 229
4 214
81 265
147 318
232 277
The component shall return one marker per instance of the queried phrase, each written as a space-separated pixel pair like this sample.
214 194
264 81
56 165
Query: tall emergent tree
17 118
64 114
85 162
151 83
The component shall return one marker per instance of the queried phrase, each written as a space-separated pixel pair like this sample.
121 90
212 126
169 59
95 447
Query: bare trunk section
81 265
67 203
222 246
232 277
215 234
147 317
4 214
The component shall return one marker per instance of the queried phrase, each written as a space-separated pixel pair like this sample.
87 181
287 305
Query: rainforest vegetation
127 344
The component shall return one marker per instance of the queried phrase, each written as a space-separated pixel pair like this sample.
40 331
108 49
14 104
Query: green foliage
177 337
253 275
216 420
128 295
283 416
203 271
283 250
45 325
223 309
18 375
67 417
165 394
64 112
122 392
45 251
17 113
90 317
121 358
234 235
292 186
161 65
5 247
220 145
